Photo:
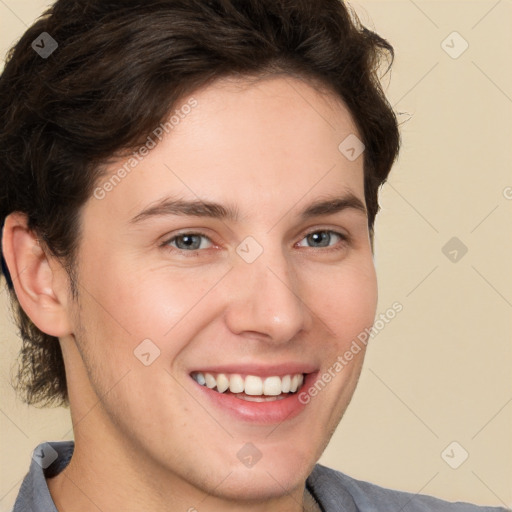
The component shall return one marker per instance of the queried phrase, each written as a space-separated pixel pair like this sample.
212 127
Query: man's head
261 107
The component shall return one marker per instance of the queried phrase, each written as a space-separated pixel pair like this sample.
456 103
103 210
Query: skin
145 438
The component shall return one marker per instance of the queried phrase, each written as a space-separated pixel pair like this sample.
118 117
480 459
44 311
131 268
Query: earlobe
36 278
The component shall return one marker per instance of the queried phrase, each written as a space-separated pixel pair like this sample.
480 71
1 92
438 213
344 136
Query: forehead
280 112
248 142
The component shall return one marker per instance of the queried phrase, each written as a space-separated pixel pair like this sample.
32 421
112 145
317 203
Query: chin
277 472
262 483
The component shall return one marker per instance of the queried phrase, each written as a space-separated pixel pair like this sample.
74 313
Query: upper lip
259 369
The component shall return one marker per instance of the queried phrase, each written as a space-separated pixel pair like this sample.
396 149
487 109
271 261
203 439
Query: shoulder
48 459
334 490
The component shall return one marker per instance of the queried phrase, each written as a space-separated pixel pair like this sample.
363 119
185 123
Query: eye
194 241
323 238
188 241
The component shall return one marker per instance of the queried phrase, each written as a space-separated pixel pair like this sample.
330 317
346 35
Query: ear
40 282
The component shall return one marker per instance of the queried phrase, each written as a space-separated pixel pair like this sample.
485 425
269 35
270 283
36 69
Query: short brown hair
118 71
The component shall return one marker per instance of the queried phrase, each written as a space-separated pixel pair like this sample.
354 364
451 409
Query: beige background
440 371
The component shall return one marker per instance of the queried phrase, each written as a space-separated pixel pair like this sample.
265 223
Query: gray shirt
334 491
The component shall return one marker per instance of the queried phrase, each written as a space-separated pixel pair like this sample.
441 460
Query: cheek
127 304
345 298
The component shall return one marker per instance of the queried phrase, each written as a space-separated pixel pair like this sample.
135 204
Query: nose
265 299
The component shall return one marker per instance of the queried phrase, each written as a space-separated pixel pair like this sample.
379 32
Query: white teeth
248 398
222 383
251 385
285 384
199 377
272 386
236 384
293 385
210 380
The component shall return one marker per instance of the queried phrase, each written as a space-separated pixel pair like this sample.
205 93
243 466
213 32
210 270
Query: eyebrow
198 208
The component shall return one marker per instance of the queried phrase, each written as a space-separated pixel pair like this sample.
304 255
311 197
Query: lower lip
275 411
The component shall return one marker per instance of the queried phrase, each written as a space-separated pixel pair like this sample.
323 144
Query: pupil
321 236
188 241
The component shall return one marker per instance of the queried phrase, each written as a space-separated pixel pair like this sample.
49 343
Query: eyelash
194 252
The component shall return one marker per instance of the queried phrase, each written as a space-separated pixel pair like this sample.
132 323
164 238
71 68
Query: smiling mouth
251 388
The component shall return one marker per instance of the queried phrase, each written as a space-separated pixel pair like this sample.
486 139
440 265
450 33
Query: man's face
270 293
